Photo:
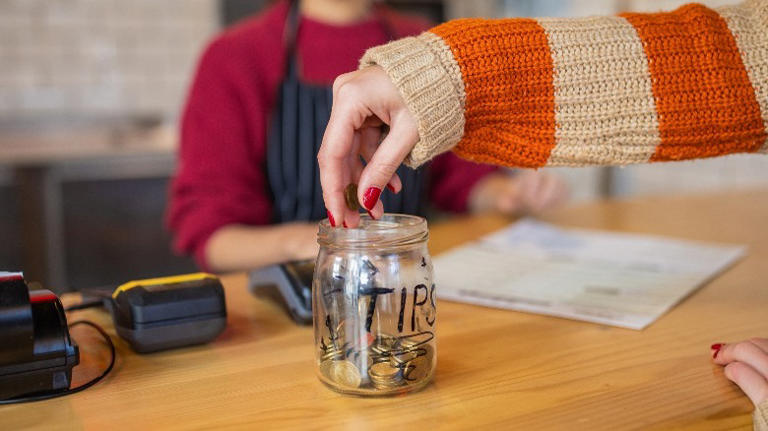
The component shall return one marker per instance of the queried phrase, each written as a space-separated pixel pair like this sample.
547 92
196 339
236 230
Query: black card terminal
169 312
290 283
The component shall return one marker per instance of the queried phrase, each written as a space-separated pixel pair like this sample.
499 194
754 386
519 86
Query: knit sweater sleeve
761 417
633 88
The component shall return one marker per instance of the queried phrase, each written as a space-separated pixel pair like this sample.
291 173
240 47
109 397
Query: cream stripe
748 23
604 106
429 79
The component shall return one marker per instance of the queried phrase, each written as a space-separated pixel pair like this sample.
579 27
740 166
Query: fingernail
370 197
391 188
716 347
331 220
344 223
371 214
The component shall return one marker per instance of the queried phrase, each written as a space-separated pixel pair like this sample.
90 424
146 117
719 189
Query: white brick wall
99 56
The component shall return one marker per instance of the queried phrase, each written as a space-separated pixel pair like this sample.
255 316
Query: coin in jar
421 366
385 376
326 367
416 371
383 370
350 196
345 374
398 359
332 354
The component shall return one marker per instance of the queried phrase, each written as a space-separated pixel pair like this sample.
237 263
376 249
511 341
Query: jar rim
390 230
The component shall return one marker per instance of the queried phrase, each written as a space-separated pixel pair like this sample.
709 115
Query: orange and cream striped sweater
616 90
633 88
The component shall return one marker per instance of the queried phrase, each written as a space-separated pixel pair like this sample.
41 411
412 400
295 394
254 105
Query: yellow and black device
169 312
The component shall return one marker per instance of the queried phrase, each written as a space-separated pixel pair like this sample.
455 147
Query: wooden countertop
496 369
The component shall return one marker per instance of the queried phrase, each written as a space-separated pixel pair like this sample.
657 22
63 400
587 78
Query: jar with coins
374 306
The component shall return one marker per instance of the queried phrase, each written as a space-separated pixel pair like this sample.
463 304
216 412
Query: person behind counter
247 187
635 88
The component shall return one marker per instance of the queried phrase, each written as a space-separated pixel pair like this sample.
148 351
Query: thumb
388 157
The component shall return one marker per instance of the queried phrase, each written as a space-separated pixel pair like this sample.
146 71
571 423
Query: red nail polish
370 197
716 347
391 188
331 220
344 224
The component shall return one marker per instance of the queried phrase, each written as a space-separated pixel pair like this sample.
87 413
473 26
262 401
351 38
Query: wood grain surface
496 369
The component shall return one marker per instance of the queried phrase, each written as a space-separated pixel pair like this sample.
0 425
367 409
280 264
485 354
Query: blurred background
90 92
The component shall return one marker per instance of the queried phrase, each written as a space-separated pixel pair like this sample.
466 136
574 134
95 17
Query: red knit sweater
221 176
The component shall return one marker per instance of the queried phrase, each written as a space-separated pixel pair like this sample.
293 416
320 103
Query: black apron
295 134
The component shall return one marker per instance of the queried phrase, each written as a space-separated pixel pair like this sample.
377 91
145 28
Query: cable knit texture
634 88
429 79
761 417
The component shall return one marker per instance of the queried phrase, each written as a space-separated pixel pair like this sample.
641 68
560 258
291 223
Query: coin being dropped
350 196
345 373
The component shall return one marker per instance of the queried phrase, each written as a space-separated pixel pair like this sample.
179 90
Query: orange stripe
705 102
507 70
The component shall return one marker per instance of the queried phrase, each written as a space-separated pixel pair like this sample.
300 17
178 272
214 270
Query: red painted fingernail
391 188
716 347
371 214
370 197
331 220
344 224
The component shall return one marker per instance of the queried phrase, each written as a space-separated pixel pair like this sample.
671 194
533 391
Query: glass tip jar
374 306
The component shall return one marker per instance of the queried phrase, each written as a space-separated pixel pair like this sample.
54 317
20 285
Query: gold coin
419 367
385 340
332 354
416 371
399 358
325 368
382 344
383 370
346 374
350 196
386 385
415 340
375 359
384 376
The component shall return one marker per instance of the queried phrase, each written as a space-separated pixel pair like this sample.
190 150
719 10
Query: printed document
619 279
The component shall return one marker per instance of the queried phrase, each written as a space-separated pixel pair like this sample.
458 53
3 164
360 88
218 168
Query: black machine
37 354
290 283
169 312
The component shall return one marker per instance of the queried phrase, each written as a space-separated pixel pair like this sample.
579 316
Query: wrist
297 236
429 80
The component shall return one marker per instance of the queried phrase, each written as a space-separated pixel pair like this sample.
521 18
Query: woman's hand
243 247
526 193
363 101
746 364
